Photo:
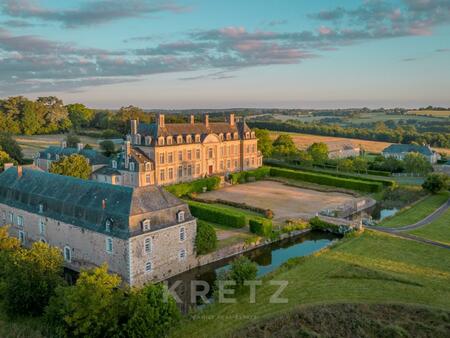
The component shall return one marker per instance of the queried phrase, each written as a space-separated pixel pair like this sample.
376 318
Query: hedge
387 183
320 225
324 179
211 213
245 176
206 239
260 226
183 189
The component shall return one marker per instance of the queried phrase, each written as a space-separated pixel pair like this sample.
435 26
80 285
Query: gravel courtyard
286 202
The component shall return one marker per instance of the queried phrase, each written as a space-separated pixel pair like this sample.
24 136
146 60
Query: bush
246 176
319 225
243 269
206 239
184 189
437 182
211 213
261 226
318 178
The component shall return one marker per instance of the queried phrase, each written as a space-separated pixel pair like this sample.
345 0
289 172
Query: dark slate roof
107 171
408 148
94 156
80 202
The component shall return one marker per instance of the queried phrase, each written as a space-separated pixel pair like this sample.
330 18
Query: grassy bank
438 230
416 212
372 268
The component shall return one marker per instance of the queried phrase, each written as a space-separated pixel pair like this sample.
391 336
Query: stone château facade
143 234
163 154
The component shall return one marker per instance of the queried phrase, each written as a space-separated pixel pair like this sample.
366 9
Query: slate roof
340 145
408 148
80 202
108 171
94 156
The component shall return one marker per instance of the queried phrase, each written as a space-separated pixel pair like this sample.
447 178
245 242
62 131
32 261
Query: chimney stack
79 147
206 120
19 171
232 119
192 119
133 126
161 121
104 204
63 144
127 152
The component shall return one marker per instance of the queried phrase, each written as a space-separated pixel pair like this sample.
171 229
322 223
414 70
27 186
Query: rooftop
408 148
94 156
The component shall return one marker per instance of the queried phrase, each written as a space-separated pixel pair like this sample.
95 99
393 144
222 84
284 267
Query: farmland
434 113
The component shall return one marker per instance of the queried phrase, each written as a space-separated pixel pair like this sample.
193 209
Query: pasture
433 113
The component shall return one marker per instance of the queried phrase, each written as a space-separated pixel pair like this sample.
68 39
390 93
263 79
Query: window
189 170
108 224
109 245
146 225
228 136
148 245
221 151
197 138
228 164
235 136
253 148
247 135
41 226
180 156
41 208
248 148
170 173
170 157
49 156
180 171
180 139
169 140
148 166
147 179
230 150
247 162
57 157
180 216
147 140
161 158
197 154
11 217
182 234
162 175
210 152
132 167
20 221
21 236
253 161
236 164
4 215
236 149
67 254
189 155
221 165
182 254
114 164
189 139
197 169
148 266
161 141
221 136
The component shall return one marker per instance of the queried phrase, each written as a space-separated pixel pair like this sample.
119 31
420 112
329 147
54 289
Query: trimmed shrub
183 189
318 178
206 239
320 225
212 213
246 176
260 226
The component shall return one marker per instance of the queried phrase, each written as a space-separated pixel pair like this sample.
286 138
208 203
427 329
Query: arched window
147 140
197 138
188 139
161 141
114 164
148 166
148 245
221 136
182 234
148 266
145 224
179 139
108 224
132 166
235 136
169 140
180 216
67 254
228 136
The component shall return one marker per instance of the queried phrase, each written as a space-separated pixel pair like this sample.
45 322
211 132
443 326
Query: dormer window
180 216
132 166
49 156
179 139
197 138
169 140
148 166
188 139
114 164
108 225
137 139
228 136
41 208
253 134
235 135
145 225
148 140
129 138
247 135
57 157
221 136
161 141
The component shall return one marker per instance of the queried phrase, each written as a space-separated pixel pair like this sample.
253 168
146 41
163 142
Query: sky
223 54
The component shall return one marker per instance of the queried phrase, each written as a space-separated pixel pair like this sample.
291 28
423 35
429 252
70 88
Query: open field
285 201
434 113
416 212
32 144
303 141
438 230
374 268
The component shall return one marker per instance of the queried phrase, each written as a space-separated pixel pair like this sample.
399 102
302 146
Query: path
427 220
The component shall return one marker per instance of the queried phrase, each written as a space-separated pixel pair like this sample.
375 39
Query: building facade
181 152
399 151
342 149
143 234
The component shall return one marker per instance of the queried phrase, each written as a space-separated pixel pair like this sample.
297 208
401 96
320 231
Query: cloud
277 22
89 13
443 50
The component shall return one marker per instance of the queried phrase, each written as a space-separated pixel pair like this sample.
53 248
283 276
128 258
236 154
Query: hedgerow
183 189
260 226
211 213
206 239
245 176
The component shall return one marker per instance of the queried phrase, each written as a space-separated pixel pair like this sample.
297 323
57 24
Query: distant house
399 151
342 149
45 158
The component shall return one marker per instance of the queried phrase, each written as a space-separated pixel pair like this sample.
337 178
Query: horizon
185 54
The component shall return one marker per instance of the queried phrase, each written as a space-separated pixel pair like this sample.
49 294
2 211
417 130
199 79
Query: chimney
206 120
6 166
19 171
192 119
79 147
133 126
63 144
126 153
161 121
232 119
104 204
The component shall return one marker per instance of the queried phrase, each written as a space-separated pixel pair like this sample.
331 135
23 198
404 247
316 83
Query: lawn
438 230
416 212
374 268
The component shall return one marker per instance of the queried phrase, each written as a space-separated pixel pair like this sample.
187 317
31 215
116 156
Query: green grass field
438 230
416 212
374 268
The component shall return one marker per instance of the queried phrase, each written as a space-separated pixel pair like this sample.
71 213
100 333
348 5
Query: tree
206 239
243 269
360 165
305 158
79 115
72 140
152 312
4 158
11 147
108 147
56 116
264 142
417 164
30 279
319 152
345 165
74 165
30 119
436 182
7 246
284 145
93 307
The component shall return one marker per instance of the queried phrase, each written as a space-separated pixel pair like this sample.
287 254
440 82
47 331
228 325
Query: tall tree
74 165
417 164
56 116
264 142
11 147
436 182
284 145
319 152
79 115
30 119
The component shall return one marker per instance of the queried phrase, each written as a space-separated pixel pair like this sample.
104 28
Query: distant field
436 113
303 141
32 144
